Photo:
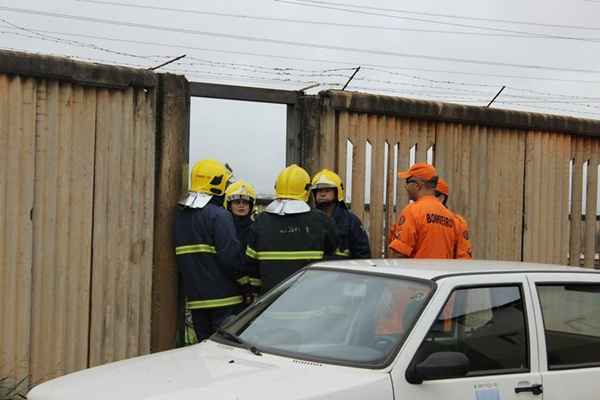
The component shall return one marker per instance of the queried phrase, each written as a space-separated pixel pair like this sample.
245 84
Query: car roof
437 269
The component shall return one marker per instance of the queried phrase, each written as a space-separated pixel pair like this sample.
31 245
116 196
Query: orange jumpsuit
425 229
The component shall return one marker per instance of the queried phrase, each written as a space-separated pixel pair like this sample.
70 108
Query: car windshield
334 316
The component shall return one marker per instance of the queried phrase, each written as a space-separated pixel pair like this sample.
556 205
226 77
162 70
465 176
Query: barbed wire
293 75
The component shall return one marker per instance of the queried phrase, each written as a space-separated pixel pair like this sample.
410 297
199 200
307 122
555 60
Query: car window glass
337 316
487 324
571 314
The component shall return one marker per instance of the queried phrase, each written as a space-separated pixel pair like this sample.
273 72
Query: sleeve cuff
401 247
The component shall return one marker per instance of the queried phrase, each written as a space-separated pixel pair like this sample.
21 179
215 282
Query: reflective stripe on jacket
208 256
280 245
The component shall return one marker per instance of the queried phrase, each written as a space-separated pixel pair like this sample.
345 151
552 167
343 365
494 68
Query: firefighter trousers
208 320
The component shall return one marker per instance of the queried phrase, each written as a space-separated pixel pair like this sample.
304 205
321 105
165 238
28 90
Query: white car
383 330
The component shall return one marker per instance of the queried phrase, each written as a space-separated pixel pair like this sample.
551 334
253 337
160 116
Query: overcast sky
545 57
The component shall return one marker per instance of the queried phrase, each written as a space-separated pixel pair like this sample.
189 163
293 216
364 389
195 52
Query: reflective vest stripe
195 248
244 280
342 253
250 252
255 282
284 255
214 303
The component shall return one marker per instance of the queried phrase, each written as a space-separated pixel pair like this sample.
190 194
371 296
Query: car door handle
534 389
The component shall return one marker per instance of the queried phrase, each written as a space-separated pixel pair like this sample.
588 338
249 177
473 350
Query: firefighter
463 244
289 234
240 198
425 229
207 249
328 192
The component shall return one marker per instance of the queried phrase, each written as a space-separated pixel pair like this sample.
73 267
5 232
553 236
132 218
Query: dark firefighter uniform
353 241
242 190
289 234
207 250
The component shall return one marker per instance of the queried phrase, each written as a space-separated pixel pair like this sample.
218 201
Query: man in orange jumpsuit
425 229
463 245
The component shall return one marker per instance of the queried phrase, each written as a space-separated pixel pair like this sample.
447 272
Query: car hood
210 370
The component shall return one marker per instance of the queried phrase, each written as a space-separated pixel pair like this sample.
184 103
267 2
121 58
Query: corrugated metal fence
93 158
76 218
518 185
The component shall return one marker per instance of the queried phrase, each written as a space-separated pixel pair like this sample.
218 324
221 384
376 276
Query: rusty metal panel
123 230
403 140
358 137
49 182
377 126
510 181
62 231
582 237
593 149
343 129
327 140
577 155
546 197
17 143
484 169
390 199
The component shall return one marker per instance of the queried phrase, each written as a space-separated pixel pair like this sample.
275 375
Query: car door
567 308
489 319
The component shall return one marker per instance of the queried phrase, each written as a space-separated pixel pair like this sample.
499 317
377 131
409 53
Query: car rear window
571 313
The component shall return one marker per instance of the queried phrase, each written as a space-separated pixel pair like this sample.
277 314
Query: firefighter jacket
351 237
208 256
280 245
250 277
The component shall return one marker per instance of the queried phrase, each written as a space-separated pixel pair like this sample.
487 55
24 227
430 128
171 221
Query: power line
455 16
329 73
326 73
291 43
288 72
311 22
211 74
198 72
291 72
440 90
274 69
43 36
474 100
437 22
449 82
315 60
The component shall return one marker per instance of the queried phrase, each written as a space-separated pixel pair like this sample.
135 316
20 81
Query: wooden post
293 146
310 127
172 158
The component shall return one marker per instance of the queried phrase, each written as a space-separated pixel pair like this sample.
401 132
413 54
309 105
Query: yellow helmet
210 176
328 179
240 190
293 183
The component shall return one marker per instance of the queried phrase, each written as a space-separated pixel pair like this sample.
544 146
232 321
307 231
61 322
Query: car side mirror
441 365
